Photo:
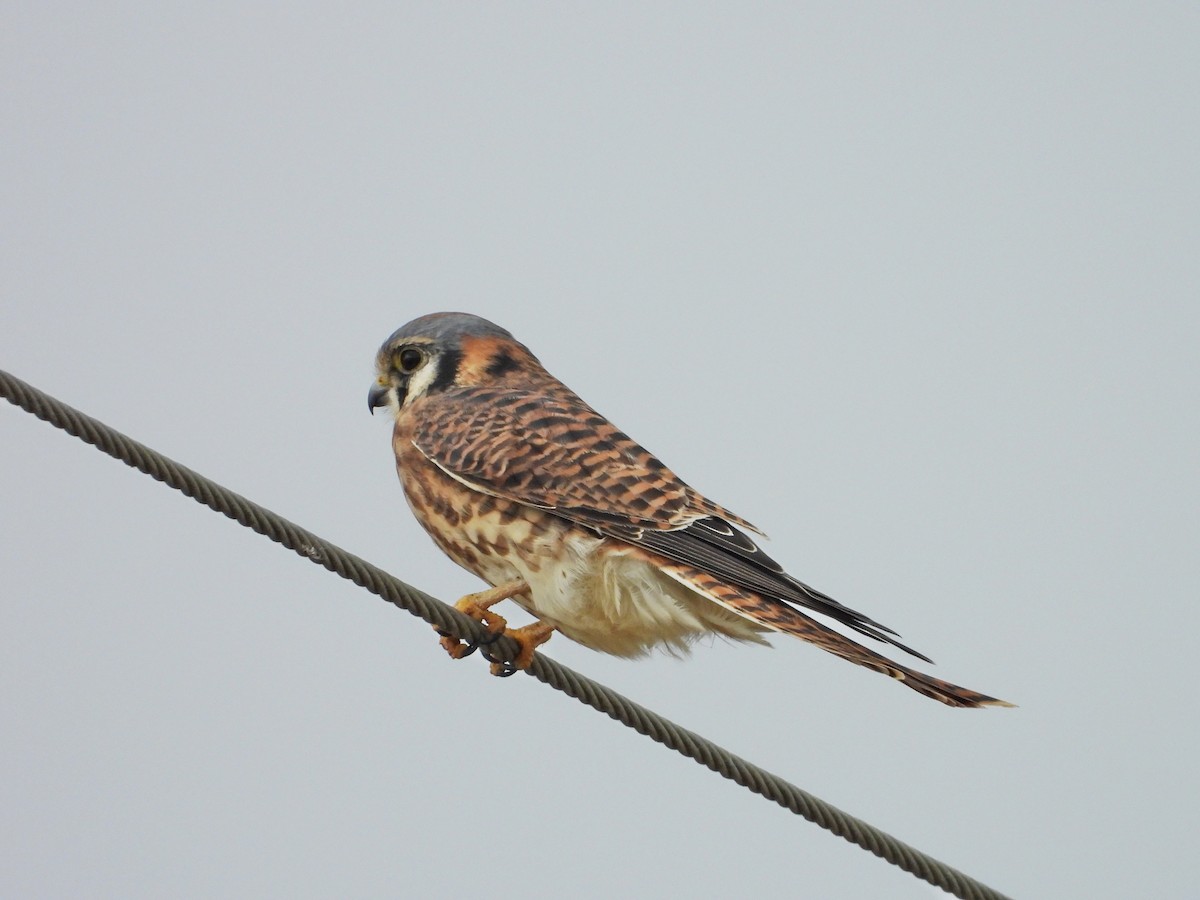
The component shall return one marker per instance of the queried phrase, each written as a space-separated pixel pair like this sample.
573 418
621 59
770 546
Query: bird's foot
529 638
477 606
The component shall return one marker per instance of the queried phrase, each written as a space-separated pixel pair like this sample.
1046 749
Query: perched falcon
518 480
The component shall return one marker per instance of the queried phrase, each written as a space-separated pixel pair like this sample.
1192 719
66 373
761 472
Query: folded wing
555 452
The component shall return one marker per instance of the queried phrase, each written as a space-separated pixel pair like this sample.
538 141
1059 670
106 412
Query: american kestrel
518 480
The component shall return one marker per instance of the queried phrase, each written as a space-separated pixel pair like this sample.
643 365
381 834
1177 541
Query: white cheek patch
393 402
419 381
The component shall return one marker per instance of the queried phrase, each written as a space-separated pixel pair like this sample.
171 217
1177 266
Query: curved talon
487 654
501 668
504 669
457 648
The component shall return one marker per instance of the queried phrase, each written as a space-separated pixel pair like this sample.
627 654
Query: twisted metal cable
448 619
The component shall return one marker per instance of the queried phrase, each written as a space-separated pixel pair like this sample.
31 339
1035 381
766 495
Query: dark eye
410 359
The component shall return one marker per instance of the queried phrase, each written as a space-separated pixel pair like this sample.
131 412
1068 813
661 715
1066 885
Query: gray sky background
913 287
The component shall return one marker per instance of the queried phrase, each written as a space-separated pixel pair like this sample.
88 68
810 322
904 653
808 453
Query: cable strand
544 669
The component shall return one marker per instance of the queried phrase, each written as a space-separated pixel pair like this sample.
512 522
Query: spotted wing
552 451
555 452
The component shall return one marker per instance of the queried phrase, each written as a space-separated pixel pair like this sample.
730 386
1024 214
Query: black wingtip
911 652
872 632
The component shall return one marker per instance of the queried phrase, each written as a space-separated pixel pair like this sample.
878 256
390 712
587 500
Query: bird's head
445 350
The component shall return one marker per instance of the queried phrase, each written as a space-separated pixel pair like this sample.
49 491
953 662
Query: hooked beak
377 397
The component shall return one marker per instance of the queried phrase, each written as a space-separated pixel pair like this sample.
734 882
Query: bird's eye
410 360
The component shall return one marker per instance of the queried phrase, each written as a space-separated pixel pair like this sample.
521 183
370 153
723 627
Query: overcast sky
912 287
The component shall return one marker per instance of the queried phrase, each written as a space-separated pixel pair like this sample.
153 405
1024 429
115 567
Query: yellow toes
529 638
493 622
456 648
477 606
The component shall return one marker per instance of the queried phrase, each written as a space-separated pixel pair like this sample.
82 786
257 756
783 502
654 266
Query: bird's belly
604 593
613 597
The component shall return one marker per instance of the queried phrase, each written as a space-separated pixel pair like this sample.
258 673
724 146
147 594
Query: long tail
776 615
